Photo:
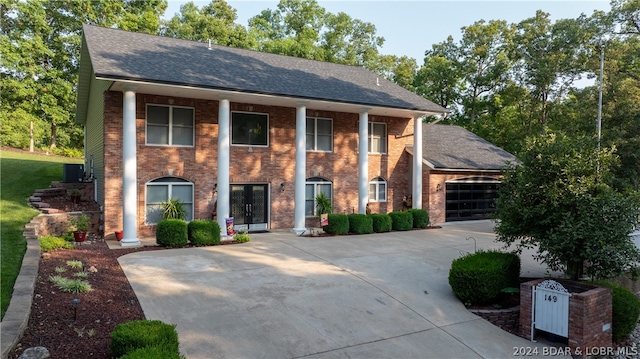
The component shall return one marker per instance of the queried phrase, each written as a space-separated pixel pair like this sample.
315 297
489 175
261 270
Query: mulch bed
86 333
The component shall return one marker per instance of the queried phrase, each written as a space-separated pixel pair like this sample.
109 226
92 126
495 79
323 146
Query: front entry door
249 207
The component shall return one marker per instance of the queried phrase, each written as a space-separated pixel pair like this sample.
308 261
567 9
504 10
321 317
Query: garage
471 198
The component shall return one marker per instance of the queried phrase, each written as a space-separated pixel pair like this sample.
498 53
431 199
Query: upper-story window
377 137
249 129
170 125
319 134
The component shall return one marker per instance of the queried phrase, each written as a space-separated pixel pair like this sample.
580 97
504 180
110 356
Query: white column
416 192
363 162
224 143
129 169
300 170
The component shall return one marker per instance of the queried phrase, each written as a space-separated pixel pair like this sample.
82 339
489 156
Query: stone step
40 205
50 192
50 210
35 199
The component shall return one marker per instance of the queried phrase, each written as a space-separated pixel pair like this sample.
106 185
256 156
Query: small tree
559 200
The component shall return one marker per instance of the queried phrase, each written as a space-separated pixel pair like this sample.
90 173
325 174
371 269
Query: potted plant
80 226
119 235
74 194
173 209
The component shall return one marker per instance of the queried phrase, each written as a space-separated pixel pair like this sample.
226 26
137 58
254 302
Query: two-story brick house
239 133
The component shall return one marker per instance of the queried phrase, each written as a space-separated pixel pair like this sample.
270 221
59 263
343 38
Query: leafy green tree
440 79
559 200
215 22
40 46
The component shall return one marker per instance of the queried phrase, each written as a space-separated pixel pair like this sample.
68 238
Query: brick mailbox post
589 319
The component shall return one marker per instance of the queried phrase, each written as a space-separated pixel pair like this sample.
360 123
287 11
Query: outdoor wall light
439 187
282 187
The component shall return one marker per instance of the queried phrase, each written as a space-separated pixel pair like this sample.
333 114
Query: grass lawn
21 173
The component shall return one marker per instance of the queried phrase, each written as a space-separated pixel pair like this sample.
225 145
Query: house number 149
551 298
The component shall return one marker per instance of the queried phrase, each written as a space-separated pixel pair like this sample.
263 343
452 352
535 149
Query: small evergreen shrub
381 222
172 233
626 310
49 243
338 224
153 352
401 220
420 217
477 278
360 223
129 336
241 237
203 232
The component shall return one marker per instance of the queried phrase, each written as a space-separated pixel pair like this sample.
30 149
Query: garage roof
450 147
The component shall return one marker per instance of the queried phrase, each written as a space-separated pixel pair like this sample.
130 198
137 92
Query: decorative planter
119 235
75 198
79 236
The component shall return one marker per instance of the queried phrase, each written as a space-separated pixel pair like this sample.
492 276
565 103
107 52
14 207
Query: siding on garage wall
95 130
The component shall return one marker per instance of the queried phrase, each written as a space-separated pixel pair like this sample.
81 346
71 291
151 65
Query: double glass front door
249 207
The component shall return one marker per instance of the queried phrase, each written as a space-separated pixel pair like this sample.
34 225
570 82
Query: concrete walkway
283 296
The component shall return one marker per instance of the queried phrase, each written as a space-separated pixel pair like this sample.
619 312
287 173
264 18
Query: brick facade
271 165
590 316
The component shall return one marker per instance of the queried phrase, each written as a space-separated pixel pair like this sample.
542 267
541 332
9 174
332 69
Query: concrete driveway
283 296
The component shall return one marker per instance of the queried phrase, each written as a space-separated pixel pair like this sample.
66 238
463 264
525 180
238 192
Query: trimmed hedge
203 232
401 220
338 224
153 352
129 336
360 224
381 222
172 233
626 310
478 278
420 218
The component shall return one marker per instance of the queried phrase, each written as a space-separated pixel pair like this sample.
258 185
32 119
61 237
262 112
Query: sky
411 27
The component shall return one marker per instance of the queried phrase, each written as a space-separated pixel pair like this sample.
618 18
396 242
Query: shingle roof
453 147
122 55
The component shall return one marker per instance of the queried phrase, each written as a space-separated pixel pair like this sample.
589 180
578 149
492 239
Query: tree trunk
31 137
53 135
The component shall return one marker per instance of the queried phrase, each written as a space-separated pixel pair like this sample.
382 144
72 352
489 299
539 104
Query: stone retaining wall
508 319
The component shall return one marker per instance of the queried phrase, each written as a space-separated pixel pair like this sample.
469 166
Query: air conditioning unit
72 173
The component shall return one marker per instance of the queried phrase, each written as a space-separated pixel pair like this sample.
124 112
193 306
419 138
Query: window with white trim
377 137
378 190
160 190
170 125
319 134
249 129
313 187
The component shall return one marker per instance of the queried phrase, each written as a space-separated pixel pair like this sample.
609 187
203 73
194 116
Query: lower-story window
160 190
378 190
315 186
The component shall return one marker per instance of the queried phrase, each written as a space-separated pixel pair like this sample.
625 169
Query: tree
559 200
40 46
215 22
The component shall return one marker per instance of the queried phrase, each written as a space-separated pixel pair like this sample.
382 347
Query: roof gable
122 55
453 147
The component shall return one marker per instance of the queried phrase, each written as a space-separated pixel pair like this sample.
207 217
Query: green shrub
381 222
203 232
172 233
360 223
49 243
153 352
401 220
420 218
338 224
129 336
626 310
478 278
242 237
